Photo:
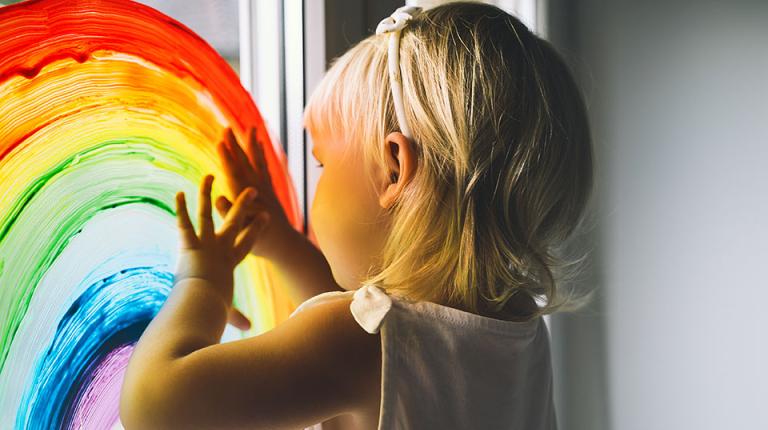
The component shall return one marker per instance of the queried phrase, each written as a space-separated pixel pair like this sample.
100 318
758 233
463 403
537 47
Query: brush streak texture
107 109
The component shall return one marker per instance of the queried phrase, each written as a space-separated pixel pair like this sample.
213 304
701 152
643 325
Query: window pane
216 21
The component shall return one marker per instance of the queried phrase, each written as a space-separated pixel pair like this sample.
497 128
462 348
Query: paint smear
107 109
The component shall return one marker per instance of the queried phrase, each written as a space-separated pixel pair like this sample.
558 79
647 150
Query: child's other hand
250 170
213 255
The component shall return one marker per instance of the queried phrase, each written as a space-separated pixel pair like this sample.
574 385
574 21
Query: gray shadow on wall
579 351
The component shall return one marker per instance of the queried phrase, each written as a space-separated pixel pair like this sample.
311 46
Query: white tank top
443 368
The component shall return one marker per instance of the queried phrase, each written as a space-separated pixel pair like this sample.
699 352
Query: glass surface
216 21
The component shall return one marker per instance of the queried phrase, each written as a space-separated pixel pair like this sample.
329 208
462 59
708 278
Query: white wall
678 94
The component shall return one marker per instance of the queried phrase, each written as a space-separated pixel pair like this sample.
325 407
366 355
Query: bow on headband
398 19
393 24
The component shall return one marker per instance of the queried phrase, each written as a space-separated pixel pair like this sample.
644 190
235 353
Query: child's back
445 368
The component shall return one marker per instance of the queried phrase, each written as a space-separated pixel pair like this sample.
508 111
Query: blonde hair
504 154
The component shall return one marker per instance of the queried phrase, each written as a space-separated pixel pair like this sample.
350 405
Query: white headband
393 24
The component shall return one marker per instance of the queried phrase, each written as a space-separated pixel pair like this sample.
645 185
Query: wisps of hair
505 158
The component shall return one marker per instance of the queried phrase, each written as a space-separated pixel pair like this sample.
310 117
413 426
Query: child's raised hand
250 170
213 255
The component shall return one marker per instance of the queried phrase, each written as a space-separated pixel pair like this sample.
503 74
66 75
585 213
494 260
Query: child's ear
400 156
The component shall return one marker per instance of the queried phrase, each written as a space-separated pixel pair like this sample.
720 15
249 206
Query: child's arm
302 266
179 376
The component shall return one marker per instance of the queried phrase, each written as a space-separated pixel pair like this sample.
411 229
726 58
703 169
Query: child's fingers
253 148
239 174
232 145
248 236
241 159
238 319
257 155
231 170
223 205
204 208
188 236
234 220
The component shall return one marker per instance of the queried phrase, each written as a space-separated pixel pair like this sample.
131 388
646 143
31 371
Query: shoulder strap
369 306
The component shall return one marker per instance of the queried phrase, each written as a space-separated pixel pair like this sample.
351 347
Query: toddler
456 158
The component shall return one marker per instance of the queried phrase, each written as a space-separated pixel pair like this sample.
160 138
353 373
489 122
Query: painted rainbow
107 109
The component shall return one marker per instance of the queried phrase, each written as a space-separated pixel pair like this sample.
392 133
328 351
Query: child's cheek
343 216
328 217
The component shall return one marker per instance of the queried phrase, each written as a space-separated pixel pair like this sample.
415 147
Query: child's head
501 171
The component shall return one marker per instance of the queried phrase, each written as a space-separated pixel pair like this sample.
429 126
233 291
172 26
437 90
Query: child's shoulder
367 305
349 356
328 320
328 316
